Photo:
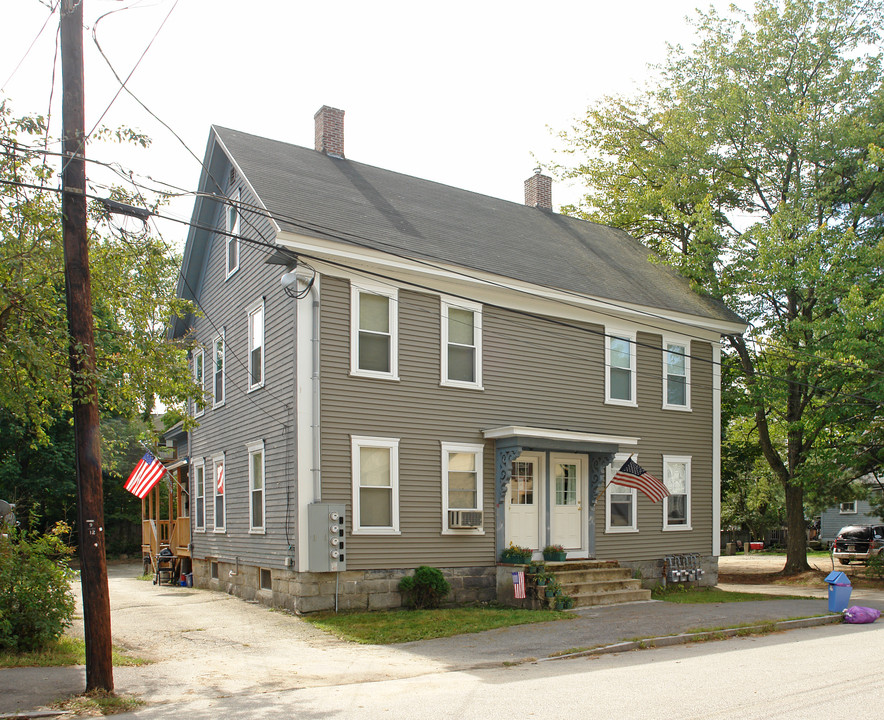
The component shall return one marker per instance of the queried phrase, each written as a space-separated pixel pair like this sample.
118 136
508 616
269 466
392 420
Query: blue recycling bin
839 591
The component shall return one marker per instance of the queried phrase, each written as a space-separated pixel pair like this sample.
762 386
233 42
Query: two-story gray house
400 373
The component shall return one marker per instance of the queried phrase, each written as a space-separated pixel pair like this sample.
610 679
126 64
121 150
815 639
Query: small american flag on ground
146 474
635 476
519 584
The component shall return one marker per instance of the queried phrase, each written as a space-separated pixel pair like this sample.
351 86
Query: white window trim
842 511
360 441
232 233
686 459
253 449
215 460
361 286
686 343
610 471
478 451
199 465
622 334
476 309
199 409
223 338
260 305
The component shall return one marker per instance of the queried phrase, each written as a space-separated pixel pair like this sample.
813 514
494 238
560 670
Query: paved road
786 675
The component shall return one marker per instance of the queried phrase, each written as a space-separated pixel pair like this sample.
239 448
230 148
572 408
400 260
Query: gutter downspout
315 427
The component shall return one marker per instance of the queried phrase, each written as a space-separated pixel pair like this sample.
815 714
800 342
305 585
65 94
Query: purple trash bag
860 615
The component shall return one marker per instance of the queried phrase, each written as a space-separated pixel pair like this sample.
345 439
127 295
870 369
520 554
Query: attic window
232 177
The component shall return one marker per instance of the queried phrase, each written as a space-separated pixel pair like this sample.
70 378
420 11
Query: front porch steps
597 582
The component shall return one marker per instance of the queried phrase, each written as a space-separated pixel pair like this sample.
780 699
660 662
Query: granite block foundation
305 592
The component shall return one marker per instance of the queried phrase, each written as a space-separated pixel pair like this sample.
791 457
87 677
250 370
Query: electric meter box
326 523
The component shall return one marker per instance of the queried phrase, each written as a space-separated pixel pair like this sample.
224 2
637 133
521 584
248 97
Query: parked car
858 542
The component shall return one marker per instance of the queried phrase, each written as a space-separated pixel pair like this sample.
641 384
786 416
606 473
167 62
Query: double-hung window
199 379
620 506
218 378
231 225
461 483
374 335
677 505
256 486
219 482
676 374
461 343
199 482
256 346
848 508
619 367
375 467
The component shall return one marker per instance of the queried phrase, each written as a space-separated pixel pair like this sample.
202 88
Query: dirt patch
764 569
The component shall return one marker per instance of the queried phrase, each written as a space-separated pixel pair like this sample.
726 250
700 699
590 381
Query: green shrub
36 601
426 588
875 566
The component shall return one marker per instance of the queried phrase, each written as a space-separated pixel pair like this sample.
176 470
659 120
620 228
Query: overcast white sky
457 92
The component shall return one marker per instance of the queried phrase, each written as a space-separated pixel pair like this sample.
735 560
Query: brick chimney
538 191
330 131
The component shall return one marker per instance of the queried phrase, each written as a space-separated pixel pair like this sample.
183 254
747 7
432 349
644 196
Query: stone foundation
650 572
305 592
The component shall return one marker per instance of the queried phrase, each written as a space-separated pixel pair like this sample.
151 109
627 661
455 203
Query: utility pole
90 506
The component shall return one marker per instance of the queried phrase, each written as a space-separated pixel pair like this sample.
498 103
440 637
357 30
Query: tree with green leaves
134 272
755 167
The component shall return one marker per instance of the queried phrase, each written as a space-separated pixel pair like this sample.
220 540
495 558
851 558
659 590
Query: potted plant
553 589
515 555
567 602
541 579
554 553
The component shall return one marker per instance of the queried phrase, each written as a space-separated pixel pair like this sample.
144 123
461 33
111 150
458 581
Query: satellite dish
7 517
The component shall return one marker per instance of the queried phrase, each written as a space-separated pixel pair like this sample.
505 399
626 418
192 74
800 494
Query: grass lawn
64 651
384 628
713 595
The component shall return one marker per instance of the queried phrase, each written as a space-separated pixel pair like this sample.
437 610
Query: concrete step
592 575
611 598
602 586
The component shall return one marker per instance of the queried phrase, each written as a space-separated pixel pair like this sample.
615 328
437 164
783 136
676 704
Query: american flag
519 584
635 476
219 485
145 476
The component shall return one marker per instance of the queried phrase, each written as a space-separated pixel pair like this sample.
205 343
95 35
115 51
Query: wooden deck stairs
597 582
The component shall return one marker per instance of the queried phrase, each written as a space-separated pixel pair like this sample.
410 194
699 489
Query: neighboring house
448 371
851 512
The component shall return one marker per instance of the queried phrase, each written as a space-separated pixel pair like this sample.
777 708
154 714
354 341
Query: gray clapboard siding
266 413
536 373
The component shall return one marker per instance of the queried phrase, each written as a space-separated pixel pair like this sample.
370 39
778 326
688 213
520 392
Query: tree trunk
796 540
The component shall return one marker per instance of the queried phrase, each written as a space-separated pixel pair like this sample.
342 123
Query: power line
52 11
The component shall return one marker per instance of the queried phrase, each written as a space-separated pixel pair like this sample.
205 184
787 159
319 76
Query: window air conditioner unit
464 518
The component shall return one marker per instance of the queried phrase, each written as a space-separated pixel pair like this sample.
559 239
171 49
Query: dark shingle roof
308 192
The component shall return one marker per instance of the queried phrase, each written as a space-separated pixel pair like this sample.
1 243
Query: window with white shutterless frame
219 379
374 330
257 499
462 483
199 491
620 502
677 505
256 345
199 379
676 373
461 343
219 487
620 366
375 476
232 228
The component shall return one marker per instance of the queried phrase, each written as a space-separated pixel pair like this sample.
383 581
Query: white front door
566 517
524 501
